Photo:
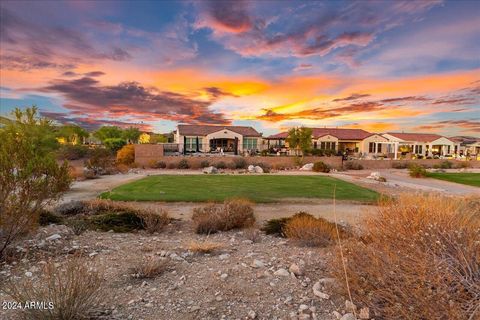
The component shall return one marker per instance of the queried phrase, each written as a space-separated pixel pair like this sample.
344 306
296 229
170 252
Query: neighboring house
465 145
209 138
422 144
351 141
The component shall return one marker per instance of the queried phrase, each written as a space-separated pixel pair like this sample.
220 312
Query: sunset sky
380 66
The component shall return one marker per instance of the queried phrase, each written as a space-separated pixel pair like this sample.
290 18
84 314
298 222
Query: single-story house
351 141
213 139
422 144
466 146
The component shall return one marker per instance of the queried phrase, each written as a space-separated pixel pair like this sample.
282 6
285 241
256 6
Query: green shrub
240 163
264 153
78 226
46 217
317 152
220 165
204 164
320 166
183 164
275 226
125 221
233 214
114 144
72 152
350 165
417 171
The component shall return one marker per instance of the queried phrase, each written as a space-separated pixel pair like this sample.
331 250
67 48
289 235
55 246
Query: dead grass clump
421 261
233 214
252 233
310 231
154 221
149 268
204 246
74 290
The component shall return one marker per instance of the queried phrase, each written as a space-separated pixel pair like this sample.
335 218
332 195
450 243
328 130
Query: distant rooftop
203 130
341 134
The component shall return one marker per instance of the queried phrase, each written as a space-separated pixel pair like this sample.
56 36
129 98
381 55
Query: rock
224 256
337 314
251 169
302 308
282 272
317 290
28 274
295 269
348 316
223 276
210 170
258 169
257 264
70 208
307 167
89 173
252 314
376 176
349 306
53 237
364 313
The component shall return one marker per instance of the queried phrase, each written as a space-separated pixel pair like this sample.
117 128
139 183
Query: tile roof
203 130
422 137
340 133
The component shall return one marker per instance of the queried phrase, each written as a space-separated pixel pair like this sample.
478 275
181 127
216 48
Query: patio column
430 152
395 152
376 147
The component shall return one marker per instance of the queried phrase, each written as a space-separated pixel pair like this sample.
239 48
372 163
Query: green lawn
471 179
262 188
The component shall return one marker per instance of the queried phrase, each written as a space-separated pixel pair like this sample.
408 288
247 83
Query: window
249 143
371 147
418 149
191 144
379 147
327 145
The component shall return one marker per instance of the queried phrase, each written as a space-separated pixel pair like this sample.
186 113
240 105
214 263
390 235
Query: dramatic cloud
130 99
353 96
463 125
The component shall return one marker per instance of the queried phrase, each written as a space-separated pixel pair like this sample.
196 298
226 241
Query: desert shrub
462 165
114 144
30 177
78 226
252 234
275 226
204 246
154 221
317 152
399 165
421 261
204 164
264 153
75 290
417 171
183 164
122 168
351 165
72 152
320 166
126 155
71 208
123 221
46 217
298 161
149 268
172 165
240 163
310 231
100 160
446 165
220 165
233 214
160 165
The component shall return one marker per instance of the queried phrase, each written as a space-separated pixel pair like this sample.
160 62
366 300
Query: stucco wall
145 152
386 164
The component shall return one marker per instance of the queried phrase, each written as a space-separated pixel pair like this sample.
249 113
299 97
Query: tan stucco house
422 144
221 139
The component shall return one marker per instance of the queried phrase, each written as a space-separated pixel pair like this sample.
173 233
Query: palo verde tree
300 139
30 177
131 134
72 134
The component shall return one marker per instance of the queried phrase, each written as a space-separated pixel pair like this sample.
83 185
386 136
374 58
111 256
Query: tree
300 139
30 177
114 144
131 134
108 132
72 134
158 138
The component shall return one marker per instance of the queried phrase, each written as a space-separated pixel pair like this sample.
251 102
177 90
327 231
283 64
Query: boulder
251 169
258 169
282 272
317 290
307 167
53 237
295 269
90 173
376 176
210 170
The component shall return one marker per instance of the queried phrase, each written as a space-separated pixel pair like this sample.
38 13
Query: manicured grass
471 179
264 188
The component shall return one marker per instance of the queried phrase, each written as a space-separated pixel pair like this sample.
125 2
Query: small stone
28 274
282 272
295 269
337 314
252 314
317 291
348 316
218 298
53 237
258 264
364 313
149 305
223 276
302 308
349 306
224 256
195 308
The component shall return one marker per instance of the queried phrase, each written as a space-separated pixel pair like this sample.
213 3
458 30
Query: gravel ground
240 281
